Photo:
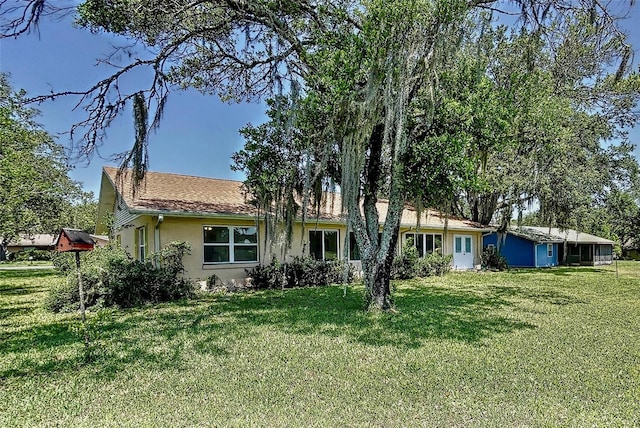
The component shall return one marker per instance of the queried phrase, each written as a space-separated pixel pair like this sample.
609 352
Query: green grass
557 347
7 264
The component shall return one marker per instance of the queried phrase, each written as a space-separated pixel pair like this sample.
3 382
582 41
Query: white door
463 251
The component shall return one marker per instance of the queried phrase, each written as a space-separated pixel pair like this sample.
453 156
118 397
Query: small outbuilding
523 247
74 240
530 246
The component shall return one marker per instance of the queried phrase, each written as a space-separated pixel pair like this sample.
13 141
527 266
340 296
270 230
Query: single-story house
227 233
40 241
525 247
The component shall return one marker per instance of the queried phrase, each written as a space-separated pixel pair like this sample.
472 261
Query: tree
36 193
370 67
534 130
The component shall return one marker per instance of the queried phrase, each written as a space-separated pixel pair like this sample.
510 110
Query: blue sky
198 133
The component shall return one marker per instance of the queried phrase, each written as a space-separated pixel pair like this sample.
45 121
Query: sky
198 133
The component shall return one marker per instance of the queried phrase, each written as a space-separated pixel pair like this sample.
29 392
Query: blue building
524 247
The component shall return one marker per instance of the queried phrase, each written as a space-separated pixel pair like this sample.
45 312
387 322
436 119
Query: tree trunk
377 283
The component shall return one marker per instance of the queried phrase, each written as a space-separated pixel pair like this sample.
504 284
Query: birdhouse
74 240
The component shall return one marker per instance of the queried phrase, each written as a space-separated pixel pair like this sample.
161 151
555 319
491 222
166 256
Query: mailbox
74 240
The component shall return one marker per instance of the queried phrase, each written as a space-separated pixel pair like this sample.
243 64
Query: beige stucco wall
190 229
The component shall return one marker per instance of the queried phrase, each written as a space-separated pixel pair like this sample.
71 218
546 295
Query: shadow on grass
167 335
559 270
26 273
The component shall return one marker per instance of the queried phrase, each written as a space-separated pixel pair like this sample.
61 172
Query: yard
521 348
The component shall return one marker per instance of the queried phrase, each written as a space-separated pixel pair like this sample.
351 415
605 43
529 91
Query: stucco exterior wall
190 229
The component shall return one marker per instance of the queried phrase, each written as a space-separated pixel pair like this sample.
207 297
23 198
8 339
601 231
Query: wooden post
85 335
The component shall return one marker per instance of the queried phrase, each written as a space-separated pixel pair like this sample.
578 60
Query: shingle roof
36 240
76 236
183 193
535 235
571 235
175 193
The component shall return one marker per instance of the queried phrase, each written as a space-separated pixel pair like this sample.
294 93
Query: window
426 243
549 250
141 243
323 244
230 244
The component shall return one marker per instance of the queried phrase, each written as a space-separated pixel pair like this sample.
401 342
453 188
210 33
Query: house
42 241
227 233
525 247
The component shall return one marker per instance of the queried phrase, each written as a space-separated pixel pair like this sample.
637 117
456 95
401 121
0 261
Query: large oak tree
370 68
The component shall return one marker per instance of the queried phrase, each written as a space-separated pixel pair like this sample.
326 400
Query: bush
491 259
111 278
64 262
63 296
404 265
30 255
433 265
410 265
300 272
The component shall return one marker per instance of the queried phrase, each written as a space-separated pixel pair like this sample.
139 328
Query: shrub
300 272
111 278
30 255
404 265
62 296
492 259
433 265
64 262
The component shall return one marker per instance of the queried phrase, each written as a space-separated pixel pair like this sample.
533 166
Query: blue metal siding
518 252
543 259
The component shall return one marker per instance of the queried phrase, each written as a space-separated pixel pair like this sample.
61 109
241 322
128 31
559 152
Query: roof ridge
178 175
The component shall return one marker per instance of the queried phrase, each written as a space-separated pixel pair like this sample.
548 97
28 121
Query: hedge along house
228 234
543 247
523 247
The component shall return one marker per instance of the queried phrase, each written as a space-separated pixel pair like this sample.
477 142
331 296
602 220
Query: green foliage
428 102
36 193
409 264
111 278
492 259
404 264
433 264
64 262
31 255
300 272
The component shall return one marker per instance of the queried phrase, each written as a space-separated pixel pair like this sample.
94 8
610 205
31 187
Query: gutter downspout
156 234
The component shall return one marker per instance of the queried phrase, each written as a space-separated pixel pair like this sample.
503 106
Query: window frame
424 252
231 244
141 243
324 256
549 250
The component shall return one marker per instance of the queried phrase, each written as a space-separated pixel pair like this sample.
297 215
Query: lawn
557 347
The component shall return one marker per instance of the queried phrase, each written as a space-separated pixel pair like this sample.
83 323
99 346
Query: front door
463 252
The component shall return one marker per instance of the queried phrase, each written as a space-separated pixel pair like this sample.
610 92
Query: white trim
231 244
324 257
424 241
141 249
